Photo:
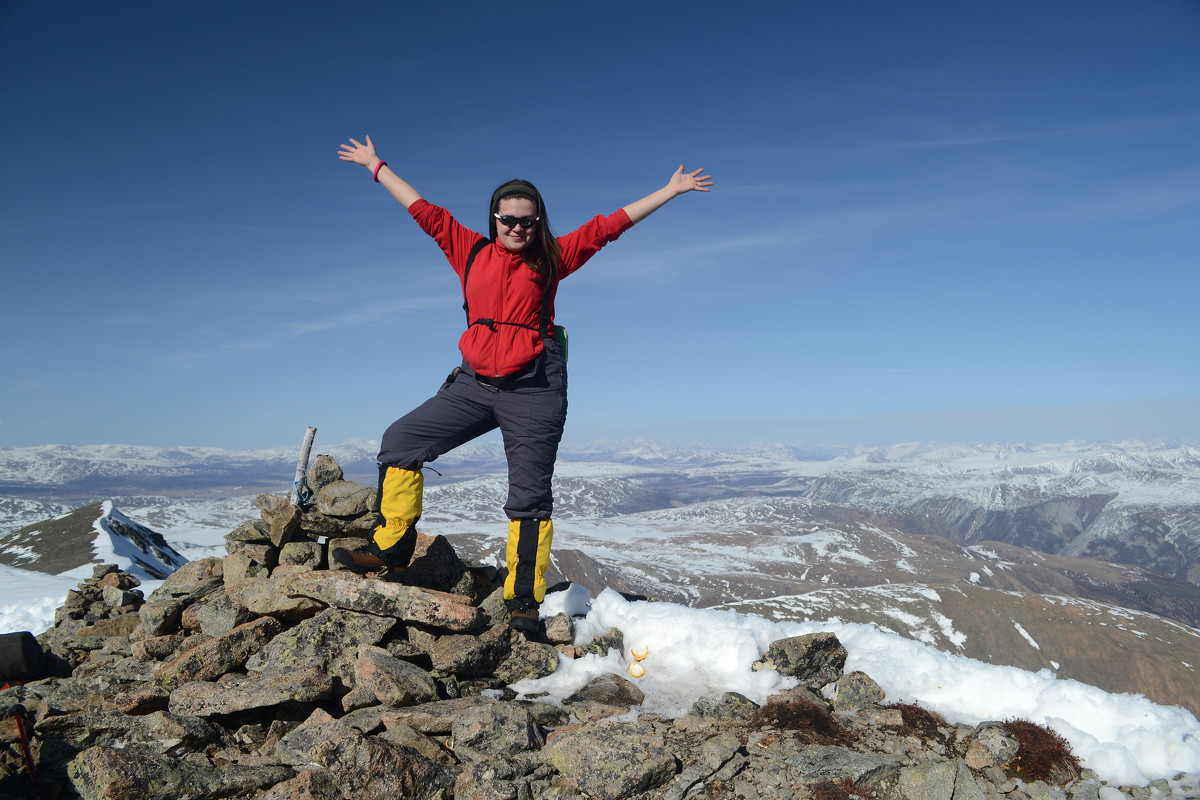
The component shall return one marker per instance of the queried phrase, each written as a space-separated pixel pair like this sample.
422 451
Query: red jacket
505 289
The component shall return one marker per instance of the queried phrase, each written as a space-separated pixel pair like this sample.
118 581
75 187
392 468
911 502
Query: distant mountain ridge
93 534
127 469
1130 502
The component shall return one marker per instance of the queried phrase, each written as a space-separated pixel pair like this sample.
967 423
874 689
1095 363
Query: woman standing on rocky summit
513 375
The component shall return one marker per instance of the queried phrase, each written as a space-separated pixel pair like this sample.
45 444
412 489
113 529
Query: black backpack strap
475 250
546 330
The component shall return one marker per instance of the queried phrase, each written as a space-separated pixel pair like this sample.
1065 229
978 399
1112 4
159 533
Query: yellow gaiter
400 495
528 557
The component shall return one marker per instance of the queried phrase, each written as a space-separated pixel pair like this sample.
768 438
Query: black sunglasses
510 221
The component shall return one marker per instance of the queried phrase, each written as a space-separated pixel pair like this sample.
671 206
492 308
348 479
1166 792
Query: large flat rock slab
441 610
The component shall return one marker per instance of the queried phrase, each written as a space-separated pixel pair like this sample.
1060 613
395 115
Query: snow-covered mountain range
1000 552
1131 503
66 471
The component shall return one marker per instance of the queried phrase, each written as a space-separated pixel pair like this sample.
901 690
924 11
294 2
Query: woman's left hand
682 182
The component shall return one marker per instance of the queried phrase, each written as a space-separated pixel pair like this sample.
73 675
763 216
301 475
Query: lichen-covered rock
939 780
560 629
217 615
832 763
316 524
241 693
494 608
604 696
189 578
857 689
270 597
393 682
329 639
104 773
241 567
265 555
729 705
282 518
284 525
436 719
161 617
427 746
816 659
270 504
159 732
470 656
255 531
991 746
721 757
365 767
157 648
117 596
612 640
345 499
304 554
436 566
322 471
226 653
120 625
495 729
610 760
527 661
118 579
144 700
493 779
341 590
311 784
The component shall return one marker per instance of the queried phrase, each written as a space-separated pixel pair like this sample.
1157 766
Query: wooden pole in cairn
302 464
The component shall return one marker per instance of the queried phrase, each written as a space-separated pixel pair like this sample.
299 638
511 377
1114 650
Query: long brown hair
543 253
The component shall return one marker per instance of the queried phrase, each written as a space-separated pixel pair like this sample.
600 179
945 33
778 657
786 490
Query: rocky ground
267 674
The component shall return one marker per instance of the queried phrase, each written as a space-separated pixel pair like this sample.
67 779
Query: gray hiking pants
529 408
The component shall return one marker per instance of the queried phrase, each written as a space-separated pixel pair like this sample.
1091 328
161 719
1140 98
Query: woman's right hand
359 153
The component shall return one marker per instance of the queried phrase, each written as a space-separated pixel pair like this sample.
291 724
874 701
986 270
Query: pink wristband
378 167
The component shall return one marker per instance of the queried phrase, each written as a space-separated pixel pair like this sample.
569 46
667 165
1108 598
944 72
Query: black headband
515 189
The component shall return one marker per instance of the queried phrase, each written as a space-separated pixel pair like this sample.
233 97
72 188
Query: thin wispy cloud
27 386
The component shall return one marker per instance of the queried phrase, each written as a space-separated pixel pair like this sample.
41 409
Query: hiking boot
525 620
367 559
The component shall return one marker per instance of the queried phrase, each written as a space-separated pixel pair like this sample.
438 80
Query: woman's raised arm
364 154
680 183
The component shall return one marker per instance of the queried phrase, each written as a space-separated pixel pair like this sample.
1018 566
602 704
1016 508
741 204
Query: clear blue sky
932 220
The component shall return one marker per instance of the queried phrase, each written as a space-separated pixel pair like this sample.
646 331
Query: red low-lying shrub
812 723
919 720
1043 755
